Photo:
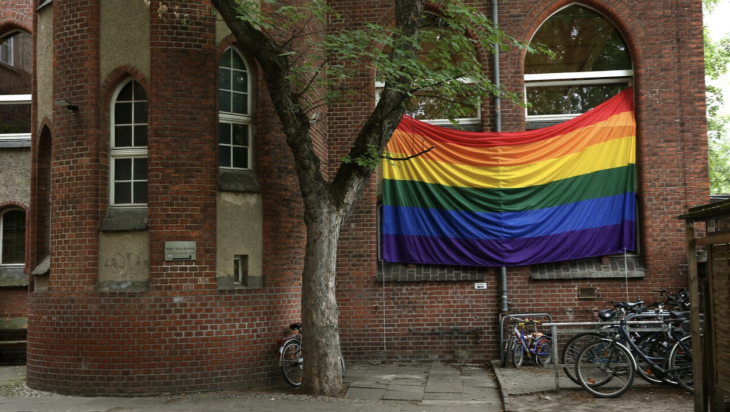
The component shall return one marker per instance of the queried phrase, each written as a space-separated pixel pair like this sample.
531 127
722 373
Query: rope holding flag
513 198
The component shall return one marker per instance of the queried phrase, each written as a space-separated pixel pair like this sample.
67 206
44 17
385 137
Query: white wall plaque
180 251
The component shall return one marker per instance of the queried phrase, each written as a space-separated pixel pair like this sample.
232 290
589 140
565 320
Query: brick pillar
182 145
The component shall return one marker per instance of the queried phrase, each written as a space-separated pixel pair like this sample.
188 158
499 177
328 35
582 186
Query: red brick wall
183 334
14 302
411 320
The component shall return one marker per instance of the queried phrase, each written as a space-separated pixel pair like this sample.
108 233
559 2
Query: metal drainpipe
498 128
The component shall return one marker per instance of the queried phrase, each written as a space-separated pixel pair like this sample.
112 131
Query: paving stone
402 396
442 396
369 385
405 388
365 393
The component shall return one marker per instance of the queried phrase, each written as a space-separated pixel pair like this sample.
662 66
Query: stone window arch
591 63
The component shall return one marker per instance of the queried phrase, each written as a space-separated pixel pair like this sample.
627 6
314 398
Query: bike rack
557 366
502 319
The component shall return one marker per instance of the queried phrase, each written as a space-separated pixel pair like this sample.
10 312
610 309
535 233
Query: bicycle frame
525 344
634 348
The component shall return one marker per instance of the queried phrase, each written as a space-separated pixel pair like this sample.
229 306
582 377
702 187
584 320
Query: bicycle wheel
292 363
518 354
680 363
654 346
507 350
573 348
543 351
605 369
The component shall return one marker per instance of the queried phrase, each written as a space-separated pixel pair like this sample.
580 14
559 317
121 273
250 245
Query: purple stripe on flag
605 240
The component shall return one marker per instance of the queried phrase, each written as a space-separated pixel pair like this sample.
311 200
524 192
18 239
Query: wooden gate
712 360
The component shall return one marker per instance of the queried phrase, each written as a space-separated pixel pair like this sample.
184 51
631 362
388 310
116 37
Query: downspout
498 128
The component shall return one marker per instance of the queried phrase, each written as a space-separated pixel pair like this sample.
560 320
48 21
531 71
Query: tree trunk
321 340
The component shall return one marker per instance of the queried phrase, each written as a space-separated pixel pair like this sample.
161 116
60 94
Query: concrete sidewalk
387 387
398 387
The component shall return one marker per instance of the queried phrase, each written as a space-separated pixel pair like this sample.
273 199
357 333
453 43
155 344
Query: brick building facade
132 131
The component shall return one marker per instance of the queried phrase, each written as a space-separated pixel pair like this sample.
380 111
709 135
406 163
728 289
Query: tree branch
408 157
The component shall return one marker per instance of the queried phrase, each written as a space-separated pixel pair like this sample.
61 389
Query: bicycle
650 342
291 359
606 368
534 345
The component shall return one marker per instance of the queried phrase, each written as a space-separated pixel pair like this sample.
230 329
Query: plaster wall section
239 233
15 175
221 30
125 36
44 65
124 261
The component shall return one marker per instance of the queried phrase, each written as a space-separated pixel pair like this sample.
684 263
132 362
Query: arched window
234 118
591 63
424 105
12 237
129 145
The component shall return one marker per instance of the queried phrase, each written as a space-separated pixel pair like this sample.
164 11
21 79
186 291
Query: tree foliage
717 59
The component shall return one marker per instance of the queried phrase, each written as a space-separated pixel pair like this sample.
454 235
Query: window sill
122 219
590 268
13 276
402 273
244 181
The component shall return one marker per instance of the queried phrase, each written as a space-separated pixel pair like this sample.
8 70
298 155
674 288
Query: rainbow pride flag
511 199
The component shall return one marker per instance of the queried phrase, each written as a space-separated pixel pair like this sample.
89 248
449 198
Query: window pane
122 193
240 103
140 192
226 59
126 93
236 270
569 99
240 157
225 156
224 133
224 79
236 61
139 93
140 112
123 136
140 169
224 101
582 40
140 136
13 247
240 134
240 82
425 107
14 118
123 113
122 169
17 52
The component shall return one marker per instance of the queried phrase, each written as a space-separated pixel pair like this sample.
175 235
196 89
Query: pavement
376 387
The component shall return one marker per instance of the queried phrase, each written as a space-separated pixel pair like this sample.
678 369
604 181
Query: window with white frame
234 118
590 64
12 237
16 60
128 150
6 51
424 105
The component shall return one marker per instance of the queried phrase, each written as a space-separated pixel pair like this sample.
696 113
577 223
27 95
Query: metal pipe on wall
498 128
